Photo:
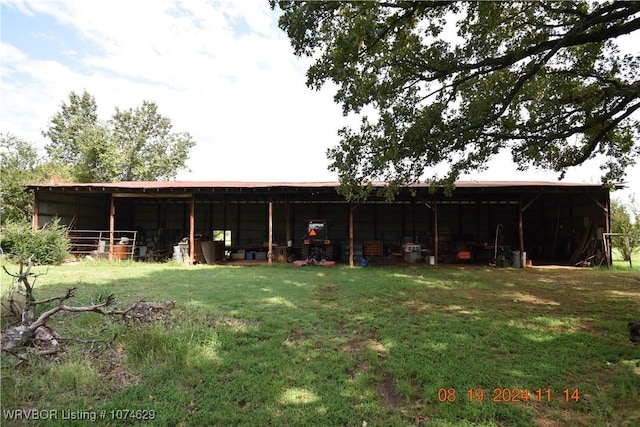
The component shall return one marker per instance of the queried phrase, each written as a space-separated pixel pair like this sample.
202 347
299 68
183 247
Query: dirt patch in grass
328 292
387 391
326 297
234 323
362 344
111 364
297 335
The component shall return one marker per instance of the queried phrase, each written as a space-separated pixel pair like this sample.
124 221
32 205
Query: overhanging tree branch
534 74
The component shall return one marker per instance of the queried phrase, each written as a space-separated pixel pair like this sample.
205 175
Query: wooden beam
607 229
36 209
403 215
413 222
112 222
192 220
435 233
530 202
351 209
154 195
603 207
521 232
270 249
288 222
375 222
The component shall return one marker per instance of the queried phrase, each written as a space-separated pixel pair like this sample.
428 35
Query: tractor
316 246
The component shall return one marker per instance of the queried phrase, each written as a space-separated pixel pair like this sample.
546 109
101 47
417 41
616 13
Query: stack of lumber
372 248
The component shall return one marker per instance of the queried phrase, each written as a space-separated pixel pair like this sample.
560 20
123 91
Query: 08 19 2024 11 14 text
509 395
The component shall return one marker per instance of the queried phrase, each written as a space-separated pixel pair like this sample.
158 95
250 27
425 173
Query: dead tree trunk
31 329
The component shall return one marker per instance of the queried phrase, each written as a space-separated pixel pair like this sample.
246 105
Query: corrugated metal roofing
140 185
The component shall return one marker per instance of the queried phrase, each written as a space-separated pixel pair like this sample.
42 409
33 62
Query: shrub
49 245
625 219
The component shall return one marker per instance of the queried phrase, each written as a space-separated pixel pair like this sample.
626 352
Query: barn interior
213 222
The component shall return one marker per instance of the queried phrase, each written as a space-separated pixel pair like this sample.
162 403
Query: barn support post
210 229
607 229
224 224
292 220
270 249
112 223
287 230
521 210
521 233
192 220
238 222
555 235
76 213
351 209
375 222
435 233
402 216
413 222
36 207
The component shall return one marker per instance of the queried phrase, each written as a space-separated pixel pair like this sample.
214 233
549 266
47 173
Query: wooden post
606 209
435 232
192 219
112 222
521 233
288 222
270 249
351 208
36 208
521 210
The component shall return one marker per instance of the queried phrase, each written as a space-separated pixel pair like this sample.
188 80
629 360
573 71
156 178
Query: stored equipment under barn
552 222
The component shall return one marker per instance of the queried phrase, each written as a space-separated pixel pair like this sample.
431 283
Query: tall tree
136 144
79 142
67 127
148 148
450 84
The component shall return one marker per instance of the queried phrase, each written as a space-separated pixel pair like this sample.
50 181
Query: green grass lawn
392 346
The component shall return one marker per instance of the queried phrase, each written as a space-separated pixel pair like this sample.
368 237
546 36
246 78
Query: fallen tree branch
89 308
60 299
20 357
34 332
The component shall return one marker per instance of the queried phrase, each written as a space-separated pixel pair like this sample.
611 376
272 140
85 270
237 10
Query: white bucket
432 260
177 254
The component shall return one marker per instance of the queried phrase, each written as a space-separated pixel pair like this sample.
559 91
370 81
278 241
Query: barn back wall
557 218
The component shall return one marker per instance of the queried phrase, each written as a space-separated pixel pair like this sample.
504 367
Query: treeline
136 144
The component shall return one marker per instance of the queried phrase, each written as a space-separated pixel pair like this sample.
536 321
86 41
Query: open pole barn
502 223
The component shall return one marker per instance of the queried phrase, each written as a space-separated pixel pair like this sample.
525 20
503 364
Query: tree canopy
148 147
19 165
137 144
450 84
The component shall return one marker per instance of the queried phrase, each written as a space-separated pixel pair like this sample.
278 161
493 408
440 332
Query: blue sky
220 70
